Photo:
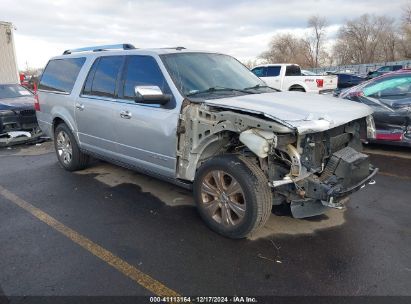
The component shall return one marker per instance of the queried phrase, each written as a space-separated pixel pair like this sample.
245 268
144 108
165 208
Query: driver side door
146 133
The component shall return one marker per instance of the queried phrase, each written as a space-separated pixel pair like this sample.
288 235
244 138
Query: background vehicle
204 121
288 77
308 73
18 121
384 69
346 80
8 63
390 97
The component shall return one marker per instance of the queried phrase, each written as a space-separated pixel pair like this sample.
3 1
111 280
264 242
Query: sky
240 28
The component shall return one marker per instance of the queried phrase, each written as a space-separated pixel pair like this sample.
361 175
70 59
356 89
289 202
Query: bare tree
318 26
366 39
285 48
404 39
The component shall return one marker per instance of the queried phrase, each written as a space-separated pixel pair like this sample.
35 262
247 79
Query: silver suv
203 121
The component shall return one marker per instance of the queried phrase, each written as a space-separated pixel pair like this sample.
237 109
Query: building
8 62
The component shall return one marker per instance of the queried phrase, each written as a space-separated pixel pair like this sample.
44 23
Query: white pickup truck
288 77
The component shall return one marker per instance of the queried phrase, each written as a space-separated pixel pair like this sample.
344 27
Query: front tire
67 150
232 196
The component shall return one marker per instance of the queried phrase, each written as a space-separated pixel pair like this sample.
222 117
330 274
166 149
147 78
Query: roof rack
99 48
178 48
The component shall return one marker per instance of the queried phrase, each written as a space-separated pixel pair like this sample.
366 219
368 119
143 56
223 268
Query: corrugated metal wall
8 63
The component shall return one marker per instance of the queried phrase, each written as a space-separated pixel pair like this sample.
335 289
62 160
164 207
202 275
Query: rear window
13 91
293 70
61 74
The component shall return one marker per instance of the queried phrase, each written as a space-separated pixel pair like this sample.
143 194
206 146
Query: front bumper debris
20 137
346 172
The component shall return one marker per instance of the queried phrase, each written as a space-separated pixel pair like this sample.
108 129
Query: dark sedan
389 96
18 121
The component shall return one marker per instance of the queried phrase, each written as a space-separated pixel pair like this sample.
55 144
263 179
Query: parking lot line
122 266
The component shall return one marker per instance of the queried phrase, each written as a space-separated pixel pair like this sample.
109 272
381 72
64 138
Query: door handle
125 114
80 106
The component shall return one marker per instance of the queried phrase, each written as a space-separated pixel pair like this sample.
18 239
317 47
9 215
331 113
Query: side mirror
150 95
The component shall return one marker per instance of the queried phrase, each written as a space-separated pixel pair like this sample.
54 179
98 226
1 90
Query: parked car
288 77
346 80
389 96
205 122
18 121
384 69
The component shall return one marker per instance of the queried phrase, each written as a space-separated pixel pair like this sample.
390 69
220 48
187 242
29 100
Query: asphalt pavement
111 231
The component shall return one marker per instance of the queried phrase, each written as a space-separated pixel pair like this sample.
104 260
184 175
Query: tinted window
260 71
273 71
105 76
61 74
293 70
140 71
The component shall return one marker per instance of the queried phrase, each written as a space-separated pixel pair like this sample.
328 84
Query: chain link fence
361 69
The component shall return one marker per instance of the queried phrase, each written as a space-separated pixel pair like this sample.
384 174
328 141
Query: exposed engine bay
310 171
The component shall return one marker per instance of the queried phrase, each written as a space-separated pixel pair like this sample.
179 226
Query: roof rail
99 48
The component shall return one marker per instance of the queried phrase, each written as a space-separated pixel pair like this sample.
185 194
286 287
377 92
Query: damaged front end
331 167
311 171
18 126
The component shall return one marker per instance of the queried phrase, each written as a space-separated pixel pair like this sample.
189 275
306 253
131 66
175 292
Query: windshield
203 73
13 91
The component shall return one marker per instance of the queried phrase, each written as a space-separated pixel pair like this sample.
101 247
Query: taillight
390 136
36 103
320 83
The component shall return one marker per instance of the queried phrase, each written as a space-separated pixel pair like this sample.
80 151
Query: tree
366 39
285 48
315 42
404 39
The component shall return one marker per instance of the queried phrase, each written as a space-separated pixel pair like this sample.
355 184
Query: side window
103 76
60 74
142 70
393 88
293 70
273 71
259 72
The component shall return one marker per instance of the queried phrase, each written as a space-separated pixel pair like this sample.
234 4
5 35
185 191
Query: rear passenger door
146 133
273 78
95 108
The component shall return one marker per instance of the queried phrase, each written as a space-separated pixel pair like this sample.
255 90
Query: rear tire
67 149
232 196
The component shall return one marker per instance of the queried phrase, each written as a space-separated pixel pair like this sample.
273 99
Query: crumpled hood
306 112
17 103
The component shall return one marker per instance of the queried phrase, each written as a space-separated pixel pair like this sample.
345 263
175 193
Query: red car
389 96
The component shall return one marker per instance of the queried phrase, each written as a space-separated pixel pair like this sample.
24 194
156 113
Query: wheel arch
297 87
60 116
